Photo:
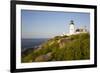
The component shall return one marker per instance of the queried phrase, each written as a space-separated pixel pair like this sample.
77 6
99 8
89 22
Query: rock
43 58
63 41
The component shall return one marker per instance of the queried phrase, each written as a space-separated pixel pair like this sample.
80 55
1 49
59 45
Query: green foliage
75 47
27 58
57 37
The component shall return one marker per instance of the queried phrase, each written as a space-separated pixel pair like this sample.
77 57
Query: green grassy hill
61 48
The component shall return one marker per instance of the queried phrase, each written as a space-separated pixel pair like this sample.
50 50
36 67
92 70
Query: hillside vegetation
61 48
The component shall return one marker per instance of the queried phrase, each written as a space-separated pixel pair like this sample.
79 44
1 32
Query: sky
47 24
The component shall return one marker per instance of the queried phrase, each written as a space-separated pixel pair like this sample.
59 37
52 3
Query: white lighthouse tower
71 28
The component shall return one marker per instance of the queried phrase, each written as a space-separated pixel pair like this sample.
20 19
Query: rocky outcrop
46 57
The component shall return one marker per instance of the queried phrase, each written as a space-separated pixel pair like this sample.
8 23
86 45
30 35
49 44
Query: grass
61 48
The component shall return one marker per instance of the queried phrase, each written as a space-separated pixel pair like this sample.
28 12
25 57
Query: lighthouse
71 27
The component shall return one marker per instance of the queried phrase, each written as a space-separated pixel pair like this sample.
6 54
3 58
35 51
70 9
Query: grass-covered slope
61 48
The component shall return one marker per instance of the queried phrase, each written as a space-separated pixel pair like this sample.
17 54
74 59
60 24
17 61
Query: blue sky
47 24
